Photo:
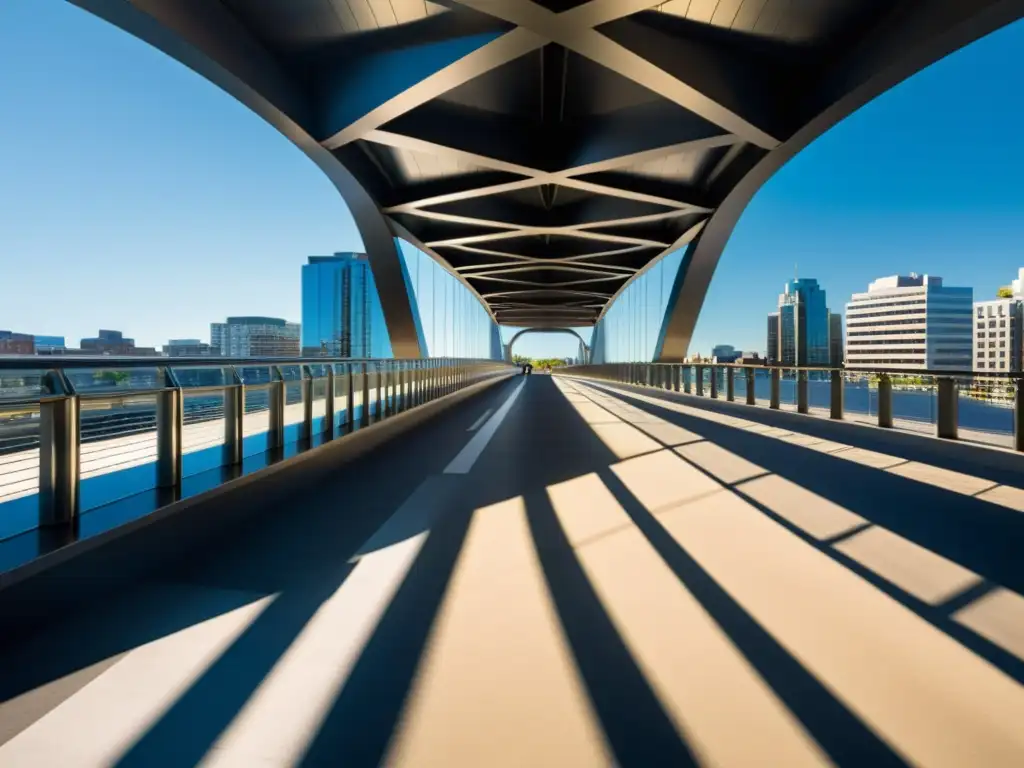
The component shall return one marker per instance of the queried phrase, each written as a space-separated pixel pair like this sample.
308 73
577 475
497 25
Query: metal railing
56 405
724 380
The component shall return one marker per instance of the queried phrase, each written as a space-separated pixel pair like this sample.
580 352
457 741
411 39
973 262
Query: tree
1006 292
520 360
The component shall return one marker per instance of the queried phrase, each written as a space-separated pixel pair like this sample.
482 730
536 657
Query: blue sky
134 195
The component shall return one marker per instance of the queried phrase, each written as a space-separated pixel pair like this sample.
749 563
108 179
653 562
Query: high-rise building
255 337
910 321
835 340
341 310
798 334
772 354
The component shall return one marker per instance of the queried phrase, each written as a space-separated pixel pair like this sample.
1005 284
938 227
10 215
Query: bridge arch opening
583 344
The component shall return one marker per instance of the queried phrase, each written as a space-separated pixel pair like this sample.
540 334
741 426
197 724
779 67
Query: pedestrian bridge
564 570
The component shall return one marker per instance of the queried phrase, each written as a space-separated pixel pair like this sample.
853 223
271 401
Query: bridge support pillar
947 417
836 395
802 404
698 375
730 384
773 401
751 383
885 401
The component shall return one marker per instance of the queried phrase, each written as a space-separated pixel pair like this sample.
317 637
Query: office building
999 331
772 354
798 334
910 321
341 310
114 343
725 353
50 345
12 343
189 348
255 337
835 340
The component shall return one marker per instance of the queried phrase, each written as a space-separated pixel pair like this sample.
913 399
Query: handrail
844 369
677 377
69 362
377 387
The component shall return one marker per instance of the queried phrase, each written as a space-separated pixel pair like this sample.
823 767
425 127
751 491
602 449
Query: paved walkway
564 573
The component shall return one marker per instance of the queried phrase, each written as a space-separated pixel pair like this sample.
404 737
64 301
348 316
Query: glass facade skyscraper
341 310
801 336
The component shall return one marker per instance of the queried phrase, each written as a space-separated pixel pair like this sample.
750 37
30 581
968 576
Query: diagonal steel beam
537 177
575 32
506 48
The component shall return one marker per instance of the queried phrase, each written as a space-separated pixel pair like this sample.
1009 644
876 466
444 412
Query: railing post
234 423
329 403
802 406
676 372
730 384
773 401
836 394
946 421
350 398
401 404
687 373
386 375
714 382
698 376
58 460
884 400
169 424
1018 414
276 404
751 375
364 414
306 388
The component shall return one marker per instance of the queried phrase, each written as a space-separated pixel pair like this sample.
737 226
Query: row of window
882 342
992 324
894 302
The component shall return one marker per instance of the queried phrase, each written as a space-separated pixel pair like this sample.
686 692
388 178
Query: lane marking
481 420
462 463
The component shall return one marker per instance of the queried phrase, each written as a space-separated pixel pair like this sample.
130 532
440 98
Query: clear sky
134 195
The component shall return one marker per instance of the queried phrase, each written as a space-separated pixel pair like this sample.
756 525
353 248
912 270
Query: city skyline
217 236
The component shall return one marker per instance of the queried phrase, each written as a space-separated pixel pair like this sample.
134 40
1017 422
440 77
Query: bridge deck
564 573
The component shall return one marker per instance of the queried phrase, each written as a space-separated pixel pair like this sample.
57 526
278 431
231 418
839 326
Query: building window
992 353
991 343
1002 353
981 325
1000 311
981 363
991 323
1002 334
981 311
